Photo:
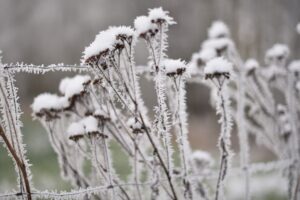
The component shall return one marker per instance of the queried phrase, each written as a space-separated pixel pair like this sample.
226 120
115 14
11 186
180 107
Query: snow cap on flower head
220 45
218 67
107 40
199 60
73 86
218 29
135 125
101 114
144 27
278 52
46 103
158 15
147 26
174 67
294 66
251 65
87 125
75 131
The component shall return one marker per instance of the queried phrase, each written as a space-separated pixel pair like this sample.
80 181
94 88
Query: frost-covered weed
91 111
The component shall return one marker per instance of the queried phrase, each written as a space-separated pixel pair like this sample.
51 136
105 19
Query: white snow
251 64
134 124
75 129
218 29
99 112
48 101
278 50
172 65
121 30
142 24
295 66
84 126
217 43
73 86
90 124
103 41
106 40
218 65
156 14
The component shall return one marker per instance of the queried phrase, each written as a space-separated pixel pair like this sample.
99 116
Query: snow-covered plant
10 129
254 91
105 106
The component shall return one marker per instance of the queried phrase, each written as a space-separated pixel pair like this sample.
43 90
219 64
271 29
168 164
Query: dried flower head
220 45
86 126
218 67
294 67
108 41
135 125
144 27
101 115
49 105
76 85
75 131
174 67
277 54
160 16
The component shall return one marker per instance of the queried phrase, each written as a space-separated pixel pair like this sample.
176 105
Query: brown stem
19 162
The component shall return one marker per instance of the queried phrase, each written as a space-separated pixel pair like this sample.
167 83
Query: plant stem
19 162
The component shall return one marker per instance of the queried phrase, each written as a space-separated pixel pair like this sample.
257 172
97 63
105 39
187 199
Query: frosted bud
218 67
174 67
159 16
277 54
135 125
218 29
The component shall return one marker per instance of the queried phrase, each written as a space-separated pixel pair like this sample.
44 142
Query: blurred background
55 31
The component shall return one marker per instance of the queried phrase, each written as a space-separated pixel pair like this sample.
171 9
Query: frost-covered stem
58 147
161 115
224 140
99 167
12 114
136 177
295 150
19 162
156 150
243 137
113 88
108 164
183 143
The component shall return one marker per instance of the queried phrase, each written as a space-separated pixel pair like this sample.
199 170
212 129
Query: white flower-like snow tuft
49 101
218 65
218 29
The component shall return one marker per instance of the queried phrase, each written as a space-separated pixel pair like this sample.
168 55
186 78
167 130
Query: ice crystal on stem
219 70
